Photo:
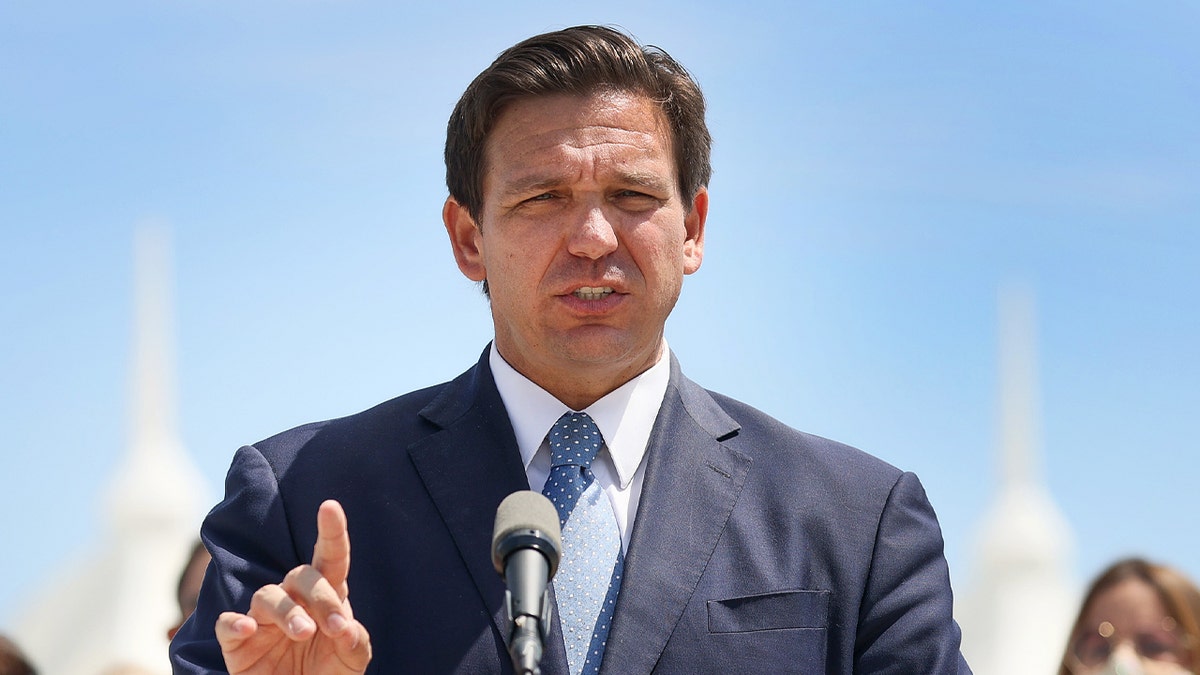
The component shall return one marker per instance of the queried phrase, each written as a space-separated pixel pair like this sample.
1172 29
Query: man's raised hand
303 624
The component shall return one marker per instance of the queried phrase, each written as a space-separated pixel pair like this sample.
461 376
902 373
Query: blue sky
881 171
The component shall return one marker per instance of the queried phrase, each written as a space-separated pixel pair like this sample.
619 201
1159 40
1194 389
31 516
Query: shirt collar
625 416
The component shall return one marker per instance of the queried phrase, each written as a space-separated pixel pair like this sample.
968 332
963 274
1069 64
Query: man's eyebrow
537 183
648 180
532 183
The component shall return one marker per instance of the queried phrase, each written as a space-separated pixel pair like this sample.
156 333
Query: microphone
526 547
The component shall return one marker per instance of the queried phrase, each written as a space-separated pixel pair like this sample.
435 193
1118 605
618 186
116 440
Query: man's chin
608 349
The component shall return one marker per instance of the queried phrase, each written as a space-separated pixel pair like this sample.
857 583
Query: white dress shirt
625 418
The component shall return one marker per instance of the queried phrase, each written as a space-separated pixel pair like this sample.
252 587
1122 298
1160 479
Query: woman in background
1137 618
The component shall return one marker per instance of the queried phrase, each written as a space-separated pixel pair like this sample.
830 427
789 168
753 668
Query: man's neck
581 385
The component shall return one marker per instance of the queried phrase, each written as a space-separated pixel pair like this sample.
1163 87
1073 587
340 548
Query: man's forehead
606 121
602 147
605 107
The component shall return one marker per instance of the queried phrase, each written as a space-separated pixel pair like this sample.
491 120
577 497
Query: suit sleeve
250 538
906 624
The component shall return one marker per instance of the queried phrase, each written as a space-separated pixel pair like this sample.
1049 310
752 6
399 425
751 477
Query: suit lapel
692 483
469 467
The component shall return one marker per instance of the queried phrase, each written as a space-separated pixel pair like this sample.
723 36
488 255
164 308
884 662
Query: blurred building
1017 606
112 607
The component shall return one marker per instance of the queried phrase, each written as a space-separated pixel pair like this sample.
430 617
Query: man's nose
592 235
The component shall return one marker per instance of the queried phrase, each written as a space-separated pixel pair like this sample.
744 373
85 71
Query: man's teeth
592 292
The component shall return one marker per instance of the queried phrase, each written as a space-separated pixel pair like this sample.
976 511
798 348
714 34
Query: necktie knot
574 440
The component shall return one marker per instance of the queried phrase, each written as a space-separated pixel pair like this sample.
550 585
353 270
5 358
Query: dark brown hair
12 661
1179 596
580 61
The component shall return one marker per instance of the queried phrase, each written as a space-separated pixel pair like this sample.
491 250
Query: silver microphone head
526 519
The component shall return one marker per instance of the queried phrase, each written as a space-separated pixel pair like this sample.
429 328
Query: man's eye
638 199
544 197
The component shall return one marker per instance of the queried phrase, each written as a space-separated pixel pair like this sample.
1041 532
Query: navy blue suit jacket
756 548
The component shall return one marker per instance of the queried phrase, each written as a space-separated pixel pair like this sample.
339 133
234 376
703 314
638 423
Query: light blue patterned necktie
589 576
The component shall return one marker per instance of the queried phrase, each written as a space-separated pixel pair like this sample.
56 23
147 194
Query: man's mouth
593 292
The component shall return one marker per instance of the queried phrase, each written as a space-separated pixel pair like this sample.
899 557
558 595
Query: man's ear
465 239
693 223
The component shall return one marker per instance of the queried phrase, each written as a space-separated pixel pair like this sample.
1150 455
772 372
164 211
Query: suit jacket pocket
769 611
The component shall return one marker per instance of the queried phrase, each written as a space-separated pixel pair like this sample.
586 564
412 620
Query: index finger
331 554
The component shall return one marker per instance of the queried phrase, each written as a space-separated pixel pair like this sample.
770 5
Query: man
577 166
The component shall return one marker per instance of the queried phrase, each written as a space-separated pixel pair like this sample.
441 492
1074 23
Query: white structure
1019 603
113 608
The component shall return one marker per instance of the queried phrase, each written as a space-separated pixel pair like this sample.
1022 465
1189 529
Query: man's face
583 238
